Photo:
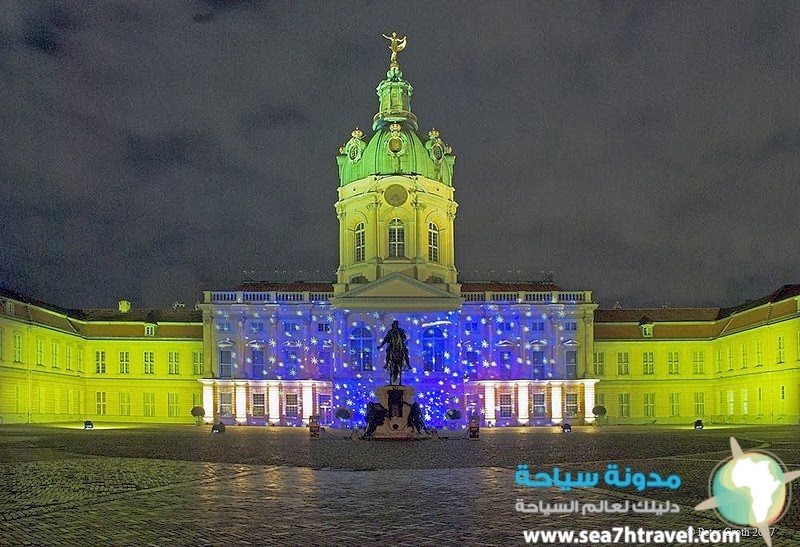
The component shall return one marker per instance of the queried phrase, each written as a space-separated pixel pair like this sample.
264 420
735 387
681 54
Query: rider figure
395 336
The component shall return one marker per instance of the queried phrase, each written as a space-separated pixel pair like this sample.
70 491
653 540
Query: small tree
198 412
453 414
599 411
343 414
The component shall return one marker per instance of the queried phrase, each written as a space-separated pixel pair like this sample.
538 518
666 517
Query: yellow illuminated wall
57 367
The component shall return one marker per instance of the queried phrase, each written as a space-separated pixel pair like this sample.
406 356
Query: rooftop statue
396 44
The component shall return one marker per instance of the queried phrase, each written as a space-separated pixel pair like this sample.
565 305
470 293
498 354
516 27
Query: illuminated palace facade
524 353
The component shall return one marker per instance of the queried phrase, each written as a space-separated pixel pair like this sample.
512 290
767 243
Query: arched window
359 239
361 348
397 239
433 242
433 349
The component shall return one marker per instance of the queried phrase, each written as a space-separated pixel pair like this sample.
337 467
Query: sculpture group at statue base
395 416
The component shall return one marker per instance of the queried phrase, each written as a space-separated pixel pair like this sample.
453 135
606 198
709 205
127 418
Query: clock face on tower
395 195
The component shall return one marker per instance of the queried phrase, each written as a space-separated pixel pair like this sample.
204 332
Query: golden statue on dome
396 44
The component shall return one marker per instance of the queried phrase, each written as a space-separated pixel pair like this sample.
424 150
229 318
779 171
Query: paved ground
180 485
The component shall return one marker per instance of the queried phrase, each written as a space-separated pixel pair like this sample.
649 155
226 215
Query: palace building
511 353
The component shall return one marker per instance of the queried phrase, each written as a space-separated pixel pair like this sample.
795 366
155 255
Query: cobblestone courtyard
180 485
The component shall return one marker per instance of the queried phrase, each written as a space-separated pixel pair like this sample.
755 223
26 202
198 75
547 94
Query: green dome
395 148
396 151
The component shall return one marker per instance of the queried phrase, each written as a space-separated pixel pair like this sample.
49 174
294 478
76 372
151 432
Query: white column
523 411
556 412
241 402
488 403
308 402
274 395
208 402
588 400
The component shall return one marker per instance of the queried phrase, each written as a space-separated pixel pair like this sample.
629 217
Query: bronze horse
396 354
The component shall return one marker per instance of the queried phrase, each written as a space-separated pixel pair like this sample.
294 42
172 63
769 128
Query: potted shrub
344 415
198 412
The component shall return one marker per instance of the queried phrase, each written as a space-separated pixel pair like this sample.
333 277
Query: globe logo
749 489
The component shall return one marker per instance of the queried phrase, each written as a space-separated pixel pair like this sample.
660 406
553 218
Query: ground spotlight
698 424
88 424
566 428
218 427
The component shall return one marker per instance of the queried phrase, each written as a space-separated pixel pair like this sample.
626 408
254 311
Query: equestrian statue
396 353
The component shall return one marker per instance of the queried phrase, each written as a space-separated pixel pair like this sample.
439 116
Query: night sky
647 151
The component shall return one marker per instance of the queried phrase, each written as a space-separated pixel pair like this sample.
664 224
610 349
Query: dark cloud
645 151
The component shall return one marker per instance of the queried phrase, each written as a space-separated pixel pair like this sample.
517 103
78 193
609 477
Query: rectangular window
225 363
649 405
40 351
324 408
506 409
571 363
624 405
197 363
257 327
537 326
124 362
538 406
173 362
730 402
699 404
699 362
397 239
324 327
257 357
79 359
68 357
291 409
291 327
100 400
648 364
149 330
571 405
730 358
124 403
472 327
571 326
673 362
674 404
100 362
719 360
759 354
503 326
259 405
599 363
17 347
148 358
623 363
324 364
54 350
173 408
505 358
745 407
224 326
780 349
149 404
744 355
226 403
433 243
360 243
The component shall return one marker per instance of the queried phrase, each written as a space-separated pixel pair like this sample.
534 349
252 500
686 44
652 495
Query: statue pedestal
397 400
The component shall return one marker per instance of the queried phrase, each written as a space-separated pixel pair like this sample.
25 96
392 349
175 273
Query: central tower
396 209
